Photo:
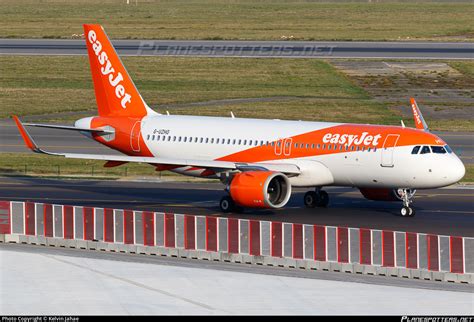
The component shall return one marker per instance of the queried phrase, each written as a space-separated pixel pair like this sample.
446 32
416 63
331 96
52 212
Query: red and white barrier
326 244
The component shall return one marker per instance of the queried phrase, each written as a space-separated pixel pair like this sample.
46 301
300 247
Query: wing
418 117
217 166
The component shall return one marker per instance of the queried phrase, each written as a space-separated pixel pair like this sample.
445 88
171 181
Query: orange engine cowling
384 194
260 189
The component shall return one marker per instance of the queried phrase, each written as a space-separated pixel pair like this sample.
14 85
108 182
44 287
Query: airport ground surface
107 283
207 48
440 211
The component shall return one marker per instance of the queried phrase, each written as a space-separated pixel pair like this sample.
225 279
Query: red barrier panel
109 225
319 243
48 220
128 226
170 239
5 219
456 251
88 218
233 235
211 234
412 250
433 252
388 249
277 233
254 241
29 218
189 232
365 246
297 241
68 222
148 228
342 245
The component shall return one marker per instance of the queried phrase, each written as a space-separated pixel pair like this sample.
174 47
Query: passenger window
375 149
179 139
318 146
153 138
185 139
415 150
438 149
174 138
425 149
148 137
212 140
169 138
245 142
207 140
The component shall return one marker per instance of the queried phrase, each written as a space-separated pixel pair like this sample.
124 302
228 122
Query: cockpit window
448 148
415 150
438 149
425 149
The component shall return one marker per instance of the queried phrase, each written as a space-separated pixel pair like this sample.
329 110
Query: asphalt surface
68 141
440 211
204 48
238 268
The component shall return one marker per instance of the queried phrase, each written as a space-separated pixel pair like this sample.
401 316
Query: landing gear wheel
311 199
323 199
227 204
407 211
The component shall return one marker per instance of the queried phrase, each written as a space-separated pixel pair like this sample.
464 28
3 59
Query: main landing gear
407 196
317 198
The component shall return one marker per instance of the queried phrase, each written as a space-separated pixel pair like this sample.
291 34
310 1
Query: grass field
243 20
274 88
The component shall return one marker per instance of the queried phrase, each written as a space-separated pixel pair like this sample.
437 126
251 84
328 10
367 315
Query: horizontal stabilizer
71 128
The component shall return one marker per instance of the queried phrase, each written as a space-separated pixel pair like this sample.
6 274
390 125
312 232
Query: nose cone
455 171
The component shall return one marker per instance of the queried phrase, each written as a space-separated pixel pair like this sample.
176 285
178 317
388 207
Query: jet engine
260 189
385 194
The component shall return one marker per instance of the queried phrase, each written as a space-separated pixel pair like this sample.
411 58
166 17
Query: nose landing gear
317 198
407 196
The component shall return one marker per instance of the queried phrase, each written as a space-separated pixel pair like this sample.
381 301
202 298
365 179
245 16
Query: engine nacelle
260 189
385 194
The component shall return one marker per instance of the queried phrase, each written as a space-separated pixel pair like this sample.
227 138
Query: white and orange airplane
258 160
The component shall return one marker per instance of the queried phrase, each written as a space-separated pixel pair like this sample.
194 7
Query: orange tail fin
115 93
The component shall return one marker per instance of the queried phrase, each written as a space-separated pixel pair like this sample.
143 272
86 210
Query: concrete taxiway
80 282
439 211
287 49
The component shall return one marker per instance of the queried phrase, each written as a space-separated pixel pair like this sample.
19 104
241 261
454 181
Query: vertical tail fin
115 92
